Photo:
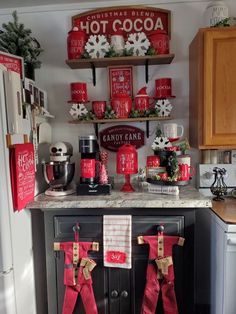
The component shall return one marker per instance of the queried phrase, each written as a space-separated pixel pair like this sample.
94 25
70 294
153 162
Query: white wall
50 25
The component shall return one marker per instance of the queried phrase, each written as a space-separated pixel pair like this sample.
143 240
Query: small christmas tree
103 178
16 39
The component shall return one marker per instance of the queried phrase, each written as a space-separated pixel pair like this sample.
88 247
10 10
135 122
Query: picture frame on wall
120 80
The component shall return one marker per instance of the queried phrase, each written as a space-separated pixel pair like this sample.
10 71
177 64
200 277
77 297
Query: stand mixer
59 172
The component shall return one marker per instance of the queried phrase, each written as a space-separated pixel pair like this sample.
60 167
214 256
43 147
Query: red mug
185 172
99 108
122 105
142 102
153 161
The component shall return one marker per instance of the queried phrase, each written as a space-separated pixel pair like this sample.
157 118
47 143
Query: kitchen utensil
122 105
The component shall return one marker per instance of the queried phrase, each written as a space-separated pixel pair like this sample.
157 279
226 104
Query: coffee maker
90 168
59 172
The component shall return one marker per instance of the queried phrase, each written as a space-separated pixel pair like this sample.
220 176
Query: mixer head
60 151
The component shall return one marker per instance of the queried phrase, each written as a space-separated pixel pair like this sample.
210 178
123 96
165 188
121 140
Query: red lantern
127 164
75 43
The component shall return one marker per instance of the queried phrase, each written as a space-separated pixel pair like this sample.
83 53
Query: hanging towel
117 240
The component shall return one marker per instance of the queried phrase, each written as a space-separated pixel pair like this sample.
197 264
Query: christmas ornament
97 46
78 110
160 272
164 107
77 273
161 143
138 42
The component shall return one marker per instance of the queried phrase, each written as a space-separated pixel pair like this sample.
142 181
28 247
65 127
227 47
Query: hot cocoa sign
114 137
130 19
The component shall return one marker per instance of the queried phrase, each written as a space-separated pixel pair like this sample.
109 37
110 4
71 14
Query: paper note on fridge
13 92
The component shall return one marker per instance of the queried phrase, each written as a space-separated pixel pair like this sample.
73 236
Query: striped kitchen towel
117 240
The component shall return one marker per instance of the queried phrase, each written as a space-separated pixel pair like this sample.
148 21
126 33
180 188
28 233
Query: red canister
160 41
78 92
75 43
127 160
122 105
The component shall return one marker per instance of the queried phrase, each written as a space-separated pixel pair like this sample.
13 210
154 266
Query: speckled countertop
187 198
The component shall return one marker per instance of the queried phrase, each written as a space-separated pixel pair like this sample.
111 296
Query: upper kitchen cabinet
212 65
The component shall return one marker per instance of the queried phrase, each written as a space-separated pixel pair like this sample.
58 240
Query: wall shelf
101 121
104 62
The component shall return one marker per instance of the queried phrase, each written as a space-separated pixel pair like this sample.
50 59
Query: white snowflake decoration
97 46
161 143
138 42
78 110
164 107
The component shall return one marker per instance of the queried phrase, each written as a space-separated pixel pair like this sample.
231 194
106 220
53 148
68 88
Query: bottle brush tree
17 40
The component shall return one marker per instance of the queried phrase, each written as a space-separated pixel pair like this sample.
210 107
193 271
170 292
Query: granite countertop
188 197
226 209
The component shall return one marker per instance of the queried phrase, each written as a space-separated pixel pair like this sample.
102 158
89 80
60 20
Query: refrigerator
17 286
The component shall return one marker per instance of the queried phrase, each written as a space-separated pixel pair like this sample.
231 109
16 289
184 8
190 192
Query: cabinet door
90 230
219 95
147 225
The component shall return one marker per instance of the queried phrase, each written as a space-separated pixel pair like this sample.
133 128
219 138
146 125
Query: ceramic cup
173 131
185 172
99 108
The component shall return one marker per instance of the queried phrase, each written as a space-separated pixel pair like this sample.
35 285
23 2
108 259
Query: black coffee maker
89 149
90 168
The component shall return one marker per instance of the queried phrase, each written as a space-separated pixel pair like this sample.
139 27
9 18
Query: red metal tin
75 43
160 41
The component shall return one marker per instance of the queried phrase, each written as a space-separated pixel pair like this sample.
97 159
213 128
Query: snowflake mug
173 131
99 108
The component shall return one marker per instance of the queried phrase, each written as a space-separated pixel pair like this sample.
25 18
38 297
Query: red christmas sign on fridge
22 166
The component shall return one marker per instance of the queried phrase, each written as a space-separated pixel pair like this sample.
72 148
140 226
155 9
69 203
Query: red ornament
75 43
127 164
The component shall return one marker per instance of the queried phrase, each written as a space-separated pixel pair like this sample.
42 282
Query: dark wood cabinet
117 291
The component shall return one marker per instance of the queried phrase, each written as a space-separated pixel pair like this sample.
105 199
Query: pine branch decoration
17 40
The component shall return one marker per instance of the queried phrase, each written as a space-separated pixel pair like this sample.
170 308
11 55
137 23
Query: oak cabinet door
213 88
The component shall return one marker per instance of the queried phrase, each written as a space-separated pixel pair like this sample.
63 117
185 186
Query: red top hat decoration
127 164
78 92
163 88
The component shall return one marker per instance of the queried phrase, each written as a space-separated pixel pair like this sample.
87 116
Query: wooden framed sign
120 80
22 169
12 63
130 18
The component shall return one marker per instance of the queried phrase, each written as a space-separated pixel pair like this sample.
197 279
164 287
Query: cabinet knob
124 294
114 294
